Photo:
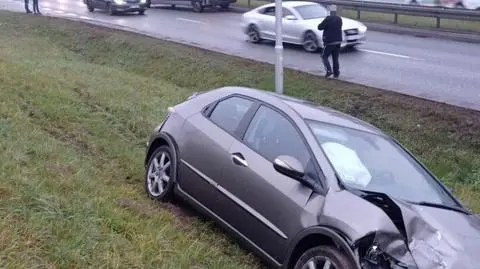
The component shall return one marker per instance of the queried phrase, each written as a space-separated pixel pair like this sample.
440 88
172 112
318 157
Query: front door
269 205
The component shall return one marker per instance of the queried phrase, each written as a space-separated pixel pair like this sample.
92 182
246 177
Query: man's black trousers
333 50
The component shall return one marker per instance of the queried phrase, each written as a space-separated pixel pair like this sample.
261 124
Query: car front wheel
253 34
323 257
310 42
160 174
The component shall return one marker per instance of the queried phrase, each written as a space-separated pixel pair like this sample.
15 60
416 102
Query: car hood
419 236
346 23
441 238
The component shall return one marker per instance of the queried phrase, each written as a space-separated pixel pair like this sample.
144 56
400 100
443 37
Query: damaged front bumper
401 235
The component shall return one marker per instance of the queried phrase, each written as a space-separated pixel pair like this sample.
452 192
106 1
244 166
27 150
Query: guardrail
404 9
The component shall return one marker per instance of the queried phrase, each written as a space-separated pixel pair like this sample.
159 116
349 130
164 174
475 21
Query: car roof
292 3
306 110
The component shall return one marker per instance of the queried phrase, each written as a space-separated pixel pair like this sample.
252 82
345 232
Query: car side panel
271 204
203 150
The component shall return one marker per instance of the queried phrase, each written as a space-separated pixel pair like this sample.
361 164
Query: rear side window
228 113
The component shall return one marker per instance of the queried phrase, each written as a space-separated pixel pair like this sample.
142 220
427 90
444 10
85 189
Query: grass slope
77 104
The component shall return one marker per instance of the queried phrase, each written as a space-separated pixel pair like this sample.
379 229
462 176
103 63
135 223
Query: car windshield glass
371 162
309 12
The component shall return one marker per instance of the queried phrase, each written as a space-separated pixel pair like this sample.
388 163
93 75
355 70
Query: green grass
77 104
403 20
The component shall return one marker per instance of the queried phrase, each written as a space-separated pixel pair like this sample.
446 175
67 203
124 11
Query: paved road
440 70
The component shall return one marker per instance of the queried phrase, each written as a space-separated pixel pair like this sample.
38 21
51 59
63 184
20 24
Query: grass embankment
77 104
403 20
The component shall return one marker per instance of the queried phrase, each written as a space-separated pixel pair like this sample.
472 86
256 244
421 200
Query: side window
228 113
272 135
269 11
286 12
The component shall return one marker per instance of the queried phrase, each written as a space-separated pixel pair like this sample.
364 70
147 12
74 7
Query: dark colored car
117 6
305 186
197 5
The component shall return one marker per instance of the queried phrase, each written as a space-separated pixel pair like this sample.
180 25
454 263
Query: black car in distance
117 6
307 187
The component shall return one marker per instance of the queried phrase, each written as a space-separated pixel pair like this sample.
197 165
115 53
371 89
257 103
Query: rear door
267 22
269 205
203 145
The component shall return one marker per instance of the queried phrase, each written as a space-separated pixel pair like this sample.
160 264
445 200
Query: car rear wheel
323 257
253 34
310 42
111 10
141 12
225 6
89 7
197 6
160 174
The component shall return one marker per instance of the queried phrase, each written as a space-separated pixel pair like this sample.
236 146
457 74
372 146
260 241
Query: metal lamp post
278 47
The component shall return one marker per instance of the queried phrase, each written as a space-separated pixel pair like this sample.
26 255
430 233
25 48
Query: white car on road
471 4
300 22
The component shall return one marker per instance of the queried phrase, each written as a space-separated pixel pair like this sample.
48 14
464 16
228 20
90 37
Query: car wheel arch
317 236
163 139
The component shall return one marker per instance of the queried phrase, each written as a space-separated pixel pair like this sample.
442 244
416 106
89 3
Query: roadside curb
402 30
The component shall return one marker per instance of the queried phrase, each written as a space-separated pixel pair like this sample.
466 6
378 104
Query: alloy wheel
310 43
159 174
253 34
319 263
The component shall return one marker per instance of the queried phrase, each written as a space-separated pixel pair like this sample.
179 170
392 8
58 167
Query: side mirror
290 167
290 18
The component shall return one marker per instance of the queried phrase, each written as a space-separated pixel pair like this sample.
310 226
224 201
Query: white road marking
194 21
59 11
389 54
84 18
71 14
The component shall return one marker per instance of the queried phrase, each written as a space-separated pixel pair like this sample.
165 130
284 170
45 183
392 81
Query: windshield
371 162
314 11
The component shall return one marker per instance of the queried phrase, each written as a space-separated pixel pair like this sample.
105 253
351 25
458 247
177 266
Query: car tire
149 4
322 254
89 7
160 174
141 12
225 6
253 34
310 42
110 9
197 6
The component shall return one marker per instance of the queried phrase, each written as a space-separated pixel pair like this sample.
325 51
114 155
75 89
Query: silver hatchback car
305 186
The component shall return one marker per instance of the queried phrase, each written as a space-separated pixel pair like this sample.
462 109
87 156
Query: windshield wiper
458 209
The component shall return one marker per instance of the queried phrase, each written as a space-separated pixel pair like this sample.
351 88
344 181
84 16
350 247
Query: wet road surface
440 70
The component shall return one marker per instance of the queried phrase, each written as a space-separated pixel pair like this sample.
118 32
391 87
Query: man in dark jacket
332 39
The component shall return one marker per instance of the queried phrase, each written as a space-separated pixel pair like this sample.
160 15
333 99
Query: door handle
238 159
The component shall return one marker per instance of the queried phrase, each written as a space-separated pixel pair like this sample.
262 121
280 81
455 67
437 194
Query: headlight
143 1
362 28
119 2
375 258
